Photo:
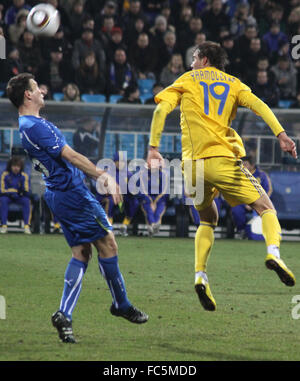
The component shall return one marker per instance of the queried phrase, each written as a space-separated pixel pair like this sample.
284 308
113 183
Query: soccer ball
43 20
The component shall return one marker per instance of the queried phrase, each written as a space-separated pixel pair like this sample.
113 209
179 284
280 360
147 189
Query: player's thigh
234 181
198 189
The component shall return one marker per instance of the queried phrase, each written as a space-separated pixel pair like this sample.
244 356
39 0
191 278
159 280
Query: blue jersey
43 142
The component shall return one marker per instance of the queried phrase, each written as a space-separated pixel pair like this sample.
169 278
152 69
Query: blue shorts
80 215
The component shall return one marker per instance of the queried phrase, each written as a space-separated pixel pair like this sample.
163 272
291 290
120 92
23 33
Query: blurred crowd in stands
105 47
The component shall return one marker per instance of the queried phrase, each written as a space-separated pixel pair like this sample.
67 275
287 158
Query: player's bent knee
82 252
262 204
107 246
210 214
111 243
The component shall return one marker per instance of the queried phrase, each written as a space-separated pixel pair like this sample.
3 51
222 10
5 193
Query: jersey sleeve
172 94
247 99
167 100
46 137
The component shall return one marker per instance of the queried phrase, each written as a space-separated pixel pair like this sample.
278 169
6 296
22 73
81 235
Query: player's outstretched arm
154 158
85 165
251 101
287 144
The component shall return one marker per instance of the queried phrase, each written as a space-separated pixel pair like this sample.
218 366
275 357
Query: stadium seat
285 103
145 97
58 96
114 98
96 98
145 86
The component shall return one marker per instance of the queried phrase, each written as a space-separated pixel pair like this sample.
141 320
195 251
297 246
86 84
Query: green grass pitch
253 320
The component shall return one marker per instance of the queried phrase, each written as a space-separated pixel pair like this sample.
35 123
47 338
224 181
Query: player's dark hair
15 160
249 158
216 55
16 87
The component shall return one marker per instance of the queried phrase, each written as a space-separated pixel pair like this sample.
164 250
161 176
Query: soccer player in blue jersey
81 217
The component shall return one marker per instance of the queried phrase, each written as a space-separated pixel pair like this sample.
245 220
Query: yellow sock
271 227
204 241
126 221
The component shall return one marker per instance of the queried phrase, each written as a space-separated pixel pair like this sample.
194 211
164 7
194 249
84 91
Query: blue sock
73 282
109 268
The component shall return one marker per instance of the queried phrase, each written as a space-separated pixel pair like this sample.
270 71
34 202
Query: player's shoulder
239 84
187 76
29 122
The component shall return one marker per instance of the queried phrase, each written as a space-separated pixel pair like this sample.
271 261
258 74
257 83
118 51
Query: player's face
198 63
15 169
249 166
36 93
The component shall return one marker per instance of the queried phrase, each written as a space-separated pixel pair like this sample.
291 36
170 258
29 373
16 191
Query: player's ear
27 94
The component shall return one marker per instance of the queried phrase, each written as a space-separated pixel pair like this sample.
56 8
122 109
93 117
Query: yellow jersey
208 100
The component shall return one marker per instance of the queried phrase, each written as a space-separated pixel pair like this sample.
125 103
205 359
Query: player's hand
287 144
154 158
107 185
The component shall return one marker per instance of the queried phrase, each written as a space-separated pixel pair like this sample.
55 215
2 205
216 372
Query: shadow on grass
205 355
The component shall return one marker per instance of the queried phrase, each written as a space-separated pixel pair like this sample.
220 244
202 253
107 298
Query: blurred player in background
15 189
130 202
209 98
153 197
80 215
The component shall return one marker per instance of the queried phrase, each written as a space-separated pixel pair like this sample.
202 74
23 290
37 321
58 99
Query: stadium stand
58 96
145 86
114 98
90 98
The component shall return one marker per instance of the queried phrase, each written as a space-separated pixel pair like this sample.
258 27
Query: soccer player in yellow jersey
208 99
